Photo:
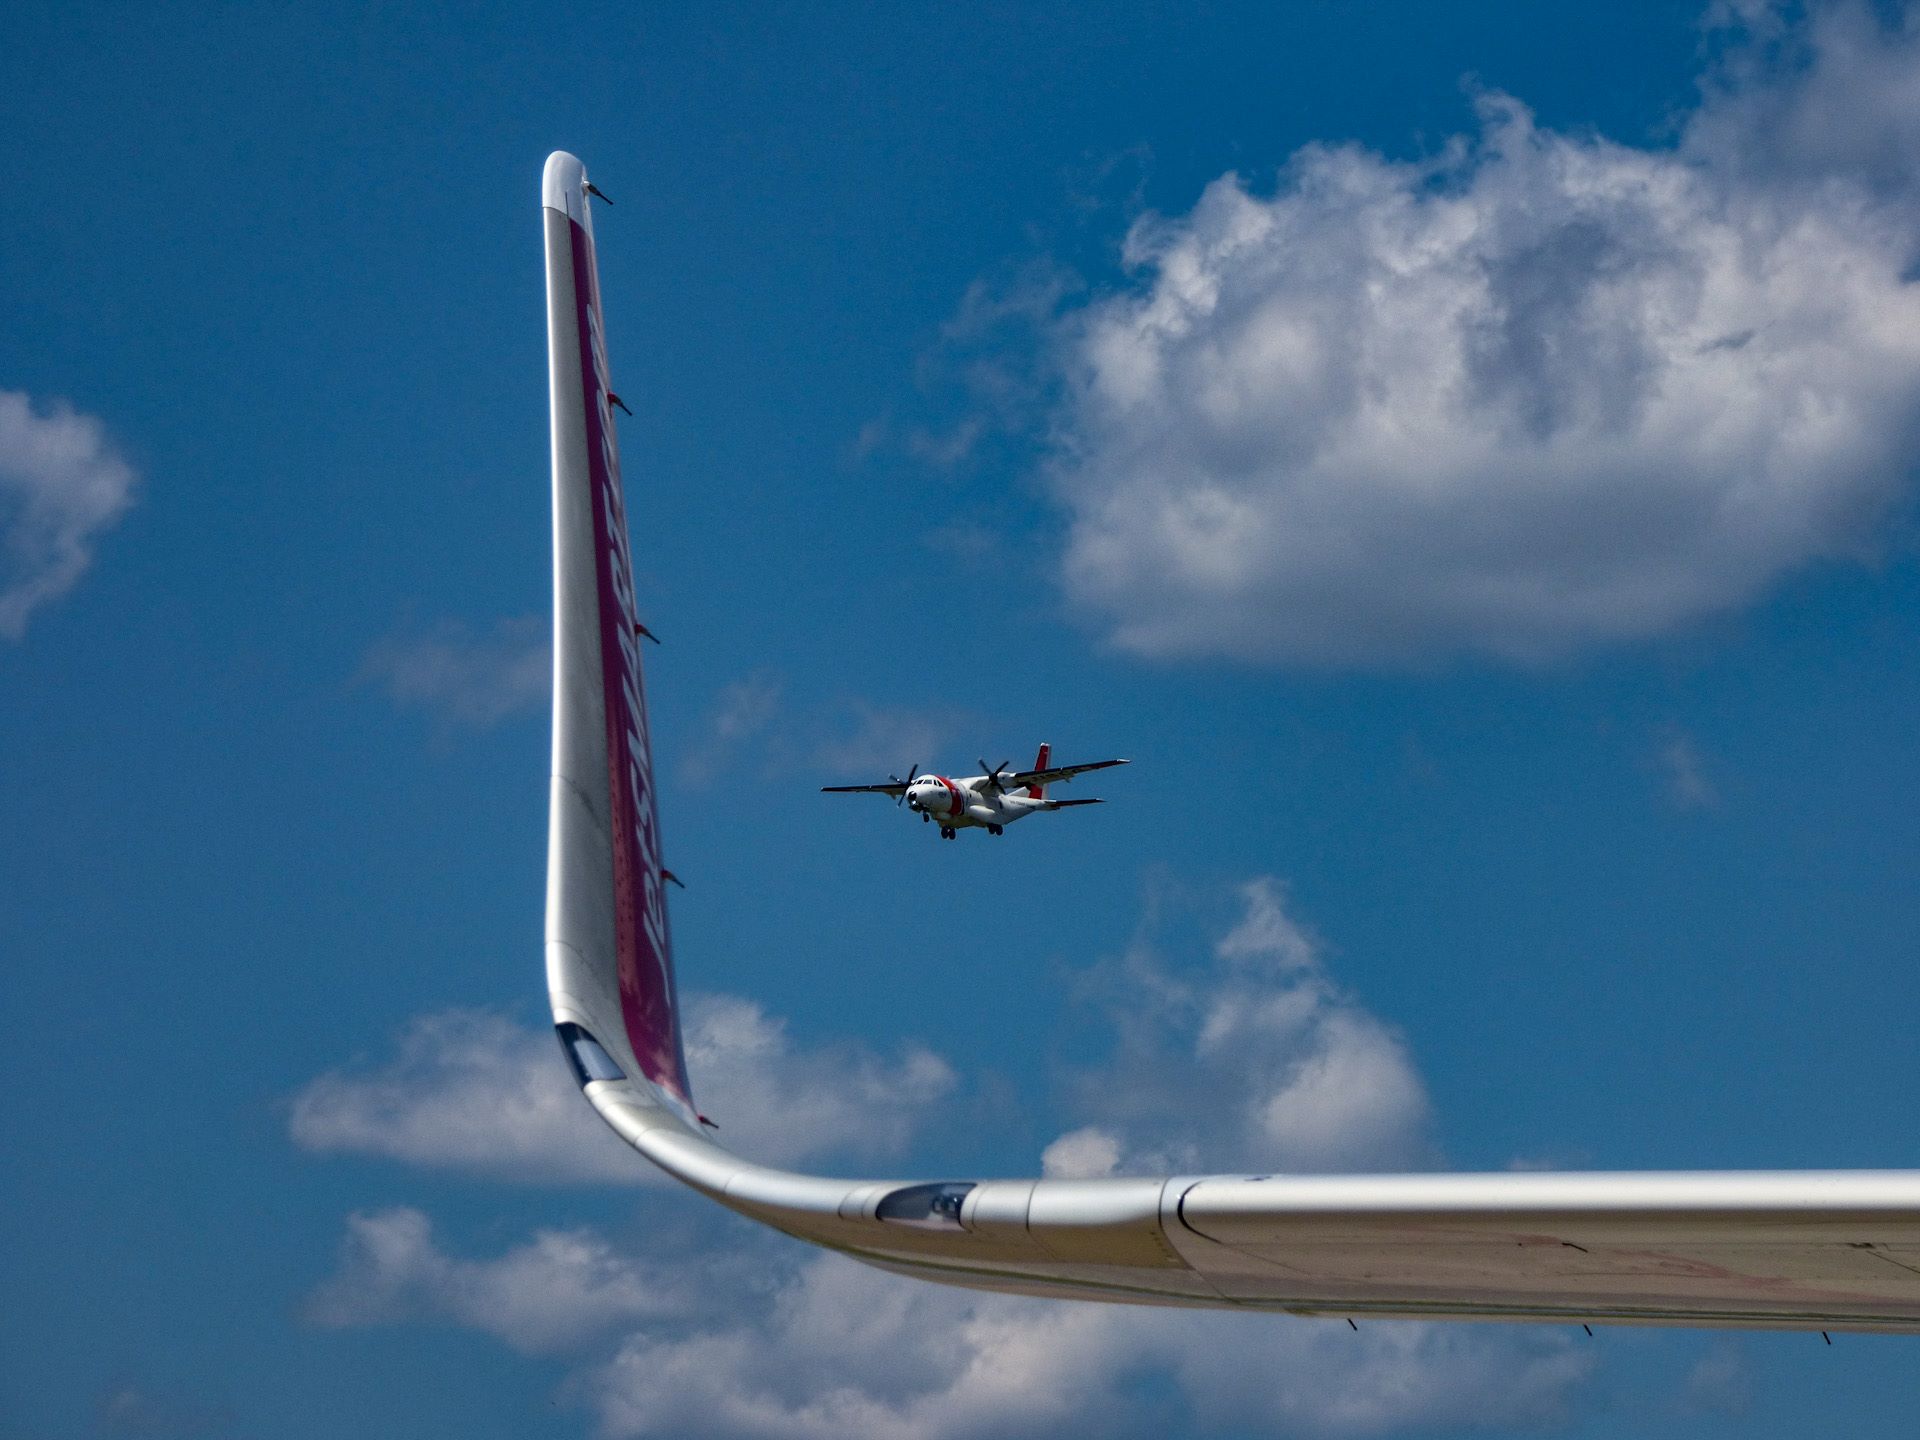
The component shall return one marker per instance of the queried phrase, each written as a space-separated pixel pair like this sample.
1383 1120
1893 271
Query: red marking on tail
1039 792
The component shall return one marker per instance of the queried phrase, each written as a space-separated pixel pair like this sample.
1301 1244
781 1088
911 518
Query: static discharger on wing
990 801
1790 1249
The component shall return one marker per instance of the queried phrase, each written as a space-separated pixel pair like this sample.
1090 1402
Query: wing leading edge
1056 773
1807 1250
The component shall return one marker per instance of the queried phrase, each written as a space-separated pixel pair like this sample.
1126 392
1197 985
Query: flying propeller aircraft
991 801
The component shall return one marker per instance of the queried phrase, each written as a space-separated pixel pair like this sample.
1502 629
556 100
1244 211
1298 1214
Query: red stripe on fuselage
959 808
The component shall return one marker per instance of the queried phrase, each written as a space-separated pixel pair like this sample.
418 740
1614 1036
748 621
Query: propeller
901 798
993 776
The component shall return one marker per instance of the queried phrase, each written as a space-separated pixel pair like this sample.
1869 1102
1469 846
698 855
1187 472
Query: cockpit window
585 1055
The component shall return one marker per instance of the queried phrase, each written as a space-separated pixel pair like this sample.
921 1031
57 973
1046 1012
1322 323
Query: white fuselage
957 803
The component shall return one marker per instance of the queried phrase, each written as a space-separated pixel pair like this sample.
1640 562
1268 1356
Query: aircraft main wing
895 789
1055 773
1806 1250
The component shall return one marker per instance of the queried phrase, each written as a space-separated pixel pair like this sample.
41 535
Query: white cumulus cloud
61 484
843 1350
759 1341
1089 1153
556 1291
1256 1060
784 1103
1538 393
468 1090
473 1090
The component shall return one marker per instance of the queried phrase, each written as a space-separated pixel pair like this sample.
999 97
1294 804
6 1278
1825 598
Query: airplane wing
896 789
1829 1250
1054 774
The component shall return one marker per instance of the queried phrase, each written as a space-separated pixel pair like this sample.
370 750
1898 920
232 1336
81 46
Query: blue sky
1463 454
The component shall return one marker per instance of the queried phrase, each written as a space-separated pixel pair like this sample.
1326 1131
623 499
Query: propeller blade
901 798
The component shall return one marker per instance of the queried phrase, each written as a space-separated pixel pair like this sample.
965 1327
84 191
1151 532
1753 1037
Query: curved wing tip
563 185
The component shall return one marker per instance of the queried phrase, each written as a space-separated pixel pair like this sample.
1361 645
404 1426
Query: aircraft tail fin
1039 792
609 953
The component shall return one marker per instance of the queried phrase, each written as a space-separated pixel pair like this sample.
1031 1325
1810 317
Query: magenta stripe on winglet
645 949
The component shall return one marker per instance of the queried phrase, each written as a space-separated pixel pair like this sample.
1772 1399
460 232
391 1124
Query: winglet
563 187
609 951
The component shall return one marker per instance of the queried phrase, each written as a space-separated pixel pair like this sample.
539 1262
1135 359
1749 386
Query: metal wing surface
1828 1250
895 789
1056 773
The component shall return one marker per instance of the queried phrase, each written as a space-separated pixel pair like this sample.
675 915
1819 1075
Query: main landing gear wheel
995 830
947 832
